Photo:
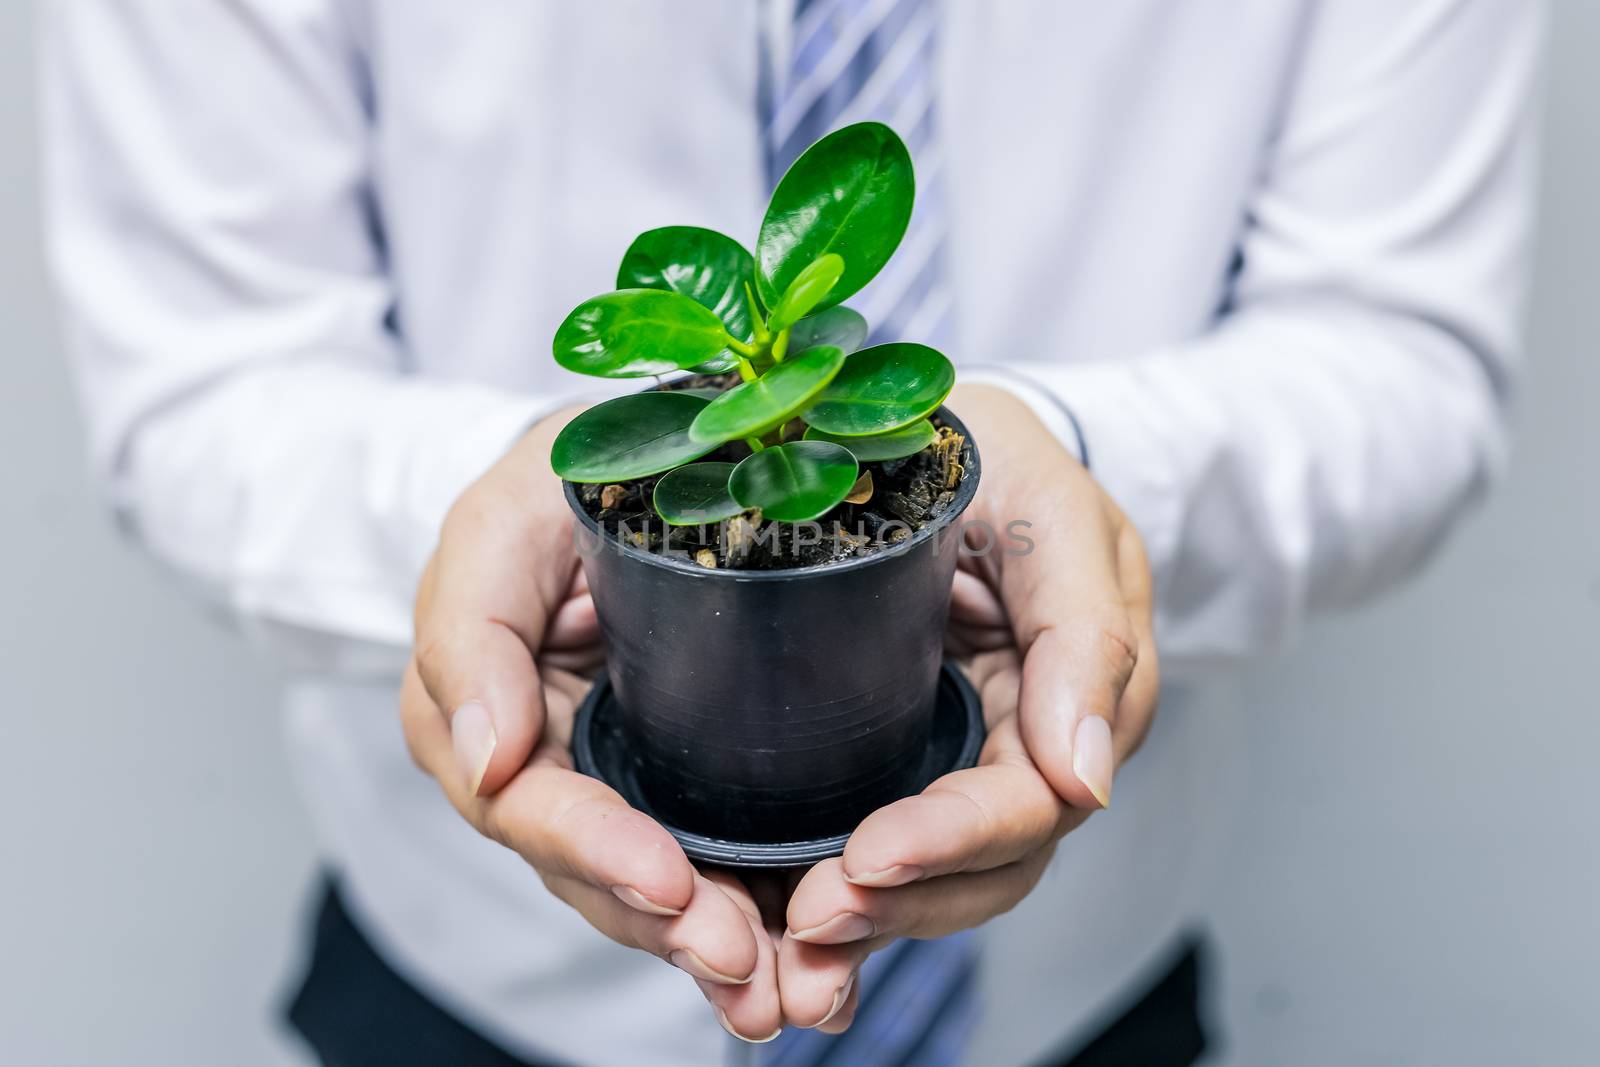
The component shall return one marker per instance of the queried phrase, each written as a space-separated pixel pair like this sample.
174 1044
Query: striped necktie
871 60
854 61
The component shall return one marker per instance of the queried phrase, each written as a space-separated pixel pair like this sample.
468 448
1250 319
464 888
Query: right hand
505 634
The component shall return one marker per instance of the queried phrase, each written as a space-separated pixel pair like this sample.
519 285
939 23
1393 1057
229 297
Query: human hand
505 634
1058 643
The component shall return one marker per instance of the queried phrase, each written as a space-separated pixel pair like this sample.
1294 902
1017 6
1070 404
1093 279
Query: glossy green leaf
875 448
696 494
883 388
708 267
704 393
795 482
754 408
721 363
629 437
806 292
841 327
635 332
850 194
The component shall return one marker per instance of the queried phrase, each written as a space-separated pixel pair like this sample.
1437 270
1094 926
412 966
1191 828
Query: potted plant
769 540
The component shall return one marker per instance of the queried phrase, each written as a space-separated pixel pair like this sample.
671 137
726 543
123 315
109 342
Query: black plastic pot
600 751
770 706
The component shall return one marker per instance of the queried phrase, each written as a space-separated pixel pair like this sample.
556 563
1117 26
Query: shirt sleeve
1349 402
212 231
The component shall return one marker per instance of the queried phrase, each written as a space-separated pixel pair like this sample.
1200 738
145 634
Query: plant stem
747 373
747 351
762 337
780 346
755 444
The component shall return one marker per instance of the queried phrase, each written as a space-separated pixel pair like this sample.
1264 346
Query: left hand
505 631
1058 643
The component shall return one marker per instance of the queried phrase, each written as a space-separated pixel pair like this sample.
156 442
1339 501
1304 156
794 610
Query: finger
585 662
753 1011
830 911
997 676
574 625
711 940
840 1020
563 823
479 672
1064 596
974 603
1079 645
962 642
972 820
564 690
1139 699
482 610
1137 710
1065 604
571 824
1072 683
818 983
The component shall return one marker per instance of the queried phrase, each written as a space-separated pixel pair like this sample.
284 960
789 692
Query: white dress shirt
312 253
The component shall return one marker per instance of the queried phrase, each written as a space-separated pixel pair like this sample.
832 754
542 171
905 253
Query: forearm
306 496
229 311
1296 459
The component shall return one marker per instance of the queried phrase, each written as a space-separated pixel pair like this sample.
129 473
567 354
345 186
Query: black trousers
355 1011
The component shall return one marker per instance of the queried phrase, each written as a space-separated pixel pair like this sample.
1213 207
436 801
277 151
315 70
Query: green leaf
755 408
696 494
708 267
875 448
850 193
806 292
634 332
795 482
883 388
629 437
841 327
721 364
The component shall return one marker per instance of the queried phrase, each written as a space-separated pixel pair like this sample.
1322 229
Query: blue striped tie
854 61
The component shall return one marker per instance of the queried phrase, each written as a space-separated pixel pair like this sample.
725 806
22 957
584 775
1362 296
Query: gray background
1416 871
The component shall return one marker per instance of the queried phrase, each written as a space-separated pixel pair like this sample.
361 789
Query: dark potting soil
905 496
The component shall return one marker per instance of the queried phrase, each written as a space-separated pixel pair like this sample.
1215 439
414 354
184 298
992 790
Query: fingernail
841 929
899 874
637 900
1091 757
473 738
686 960
839 998
722 1017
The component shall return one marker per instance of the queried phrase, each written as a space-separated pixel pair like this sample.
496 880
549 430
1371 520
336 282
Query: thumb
487 605
1080 645
1073 677
477 628
482 677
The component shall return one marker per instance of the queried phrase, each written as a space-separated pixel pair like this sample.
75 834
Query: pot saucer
599 751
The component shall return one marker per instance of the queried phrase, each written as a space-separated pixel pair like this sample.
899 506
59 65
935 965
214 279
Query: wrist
998 415
534 445
1029 400
984 402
